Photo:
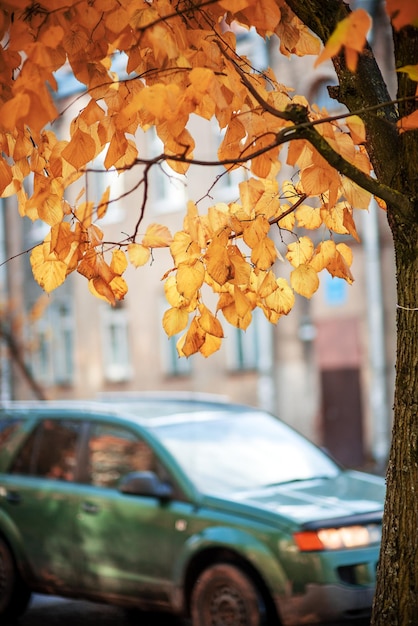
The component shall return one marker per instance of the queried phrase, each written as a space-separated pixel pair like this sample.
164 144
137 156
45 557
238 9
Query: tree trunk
396 598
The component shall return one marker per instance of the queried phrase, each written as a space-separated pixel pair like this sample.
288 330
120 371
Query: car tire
224 595
14 594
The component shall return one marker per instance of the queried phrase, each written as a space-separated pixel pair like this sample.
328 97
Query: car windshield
223 453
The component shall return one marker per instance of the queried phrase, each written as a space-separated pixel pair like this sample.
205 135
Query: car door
38 496
127 543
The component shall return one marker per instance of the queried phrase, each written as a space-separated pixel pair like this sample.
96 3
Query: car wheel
224 596
14 594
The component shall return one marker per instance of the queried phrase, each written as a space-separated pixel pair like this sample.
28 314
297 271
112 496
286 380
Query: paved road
53 611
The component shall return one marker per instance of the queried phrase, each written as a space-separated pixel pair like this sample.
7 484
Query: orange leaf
101 289
402 13
351 32
409 122
80 150
194 339
157 236
116 150
5 175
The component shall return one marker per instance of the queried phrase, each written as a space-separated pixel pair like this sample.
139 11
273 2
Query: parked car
210 509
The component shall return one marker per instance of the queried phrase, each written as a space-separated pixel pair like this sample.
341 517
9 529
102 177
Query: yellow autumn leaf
172 294
219 217
84 213
209 323
190 278
304 280
138 254
357 128
101 289
334 218
175 320
411 70
211 344
266 285
94 235
282 299
242 304
264 254
346 252
193 339
300 252
256 230
324 253
103 203
119 262
183 249
308 217
61 239
239 315
119 287
218 263
339 268
48 272
358 197
157 236
242 269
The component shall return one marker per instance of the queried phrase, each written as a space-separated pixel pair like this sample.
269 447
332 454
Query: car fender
244 544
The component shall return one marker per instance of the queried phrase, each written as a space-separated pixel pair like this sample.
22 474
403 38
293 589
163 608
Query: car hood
317 500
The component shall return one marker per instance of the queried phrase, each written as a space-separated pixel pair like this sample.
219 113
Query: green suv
200 508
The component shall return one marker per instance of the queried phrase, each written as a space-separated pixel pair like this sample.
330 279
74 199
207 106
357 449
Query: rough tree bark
394 159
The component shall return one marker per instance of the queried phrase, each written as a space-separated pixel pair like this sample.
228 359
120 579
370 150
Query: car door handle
90 507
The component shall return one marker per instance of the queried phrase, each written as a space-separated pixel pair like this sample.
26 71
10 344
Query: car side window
7 429
114 452
50 451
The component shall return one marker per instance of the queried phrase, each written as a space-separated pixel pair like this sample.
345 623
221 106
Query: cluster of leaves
181 60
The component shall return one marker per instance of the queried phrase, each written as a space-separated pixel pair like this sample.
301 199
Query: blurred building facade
327 368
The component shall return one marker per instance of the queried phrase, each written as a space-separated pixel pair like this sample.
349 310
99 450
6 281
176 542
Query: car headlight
338 538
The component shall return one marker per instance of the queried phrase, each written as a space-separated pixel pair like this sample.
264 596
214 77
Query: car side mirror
145 484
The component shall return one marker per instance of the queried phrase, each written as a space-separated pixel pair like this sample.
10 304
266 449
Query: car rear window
9 427
50 451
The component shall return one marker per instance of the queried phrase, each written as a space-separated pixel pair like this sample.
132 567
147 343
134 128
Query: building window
168 189
227 188
98 179
244 347
63 344
116 353
52 345
172 363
